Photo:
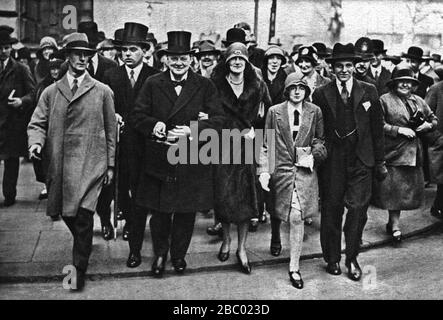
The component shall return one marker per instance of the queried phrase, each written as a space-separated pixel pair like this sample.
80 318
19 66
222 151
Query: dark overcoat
383 78
78 136
13 122
164 187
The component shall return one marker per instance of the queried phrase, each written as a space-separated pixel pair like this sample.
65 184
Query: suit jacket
13 122
383 78
165 187
425 83
368 118
124 95
278 157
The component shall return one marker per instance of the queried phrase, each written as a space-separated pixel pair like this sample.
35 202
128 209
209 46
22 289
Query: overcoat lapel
188 91
305 125
86 85
63 87
141 78
167 87
357 94
283 123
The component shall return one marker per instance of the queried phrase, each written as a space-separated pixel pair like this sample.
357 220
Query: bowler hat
402 72
235 35
274 50
135 33
322 51
5 38
379 46
90 28
342 52
76 41
206 47
118 36
295 79
179 42
415 53
364 48
237 49
309 53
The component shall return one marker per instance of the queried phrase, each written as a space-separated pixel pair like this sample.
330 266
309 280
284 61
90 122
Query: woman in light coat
288 159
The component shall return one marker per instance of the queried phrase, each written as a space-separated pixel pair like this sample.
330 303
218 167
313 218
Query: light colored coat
78 136
277 157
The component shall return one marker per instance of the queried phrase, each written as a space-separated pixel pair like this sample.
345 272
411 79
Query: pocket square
366 105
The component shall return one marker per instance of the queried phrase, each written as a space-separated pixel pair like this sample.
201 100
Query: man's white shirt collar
137 71
71 79
94 60
349 84
378 69
185 76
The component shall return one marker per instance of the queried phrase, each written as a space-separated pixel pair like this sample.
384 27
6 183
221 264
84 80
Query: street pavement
35 249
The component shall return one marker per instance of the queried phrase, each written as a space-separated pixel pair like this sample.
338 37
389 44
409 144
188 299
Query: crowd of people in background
353 127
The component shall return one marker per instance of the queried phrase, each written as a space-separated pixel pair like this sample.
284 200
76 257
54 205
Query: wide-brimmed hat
364 49
135 33
77 41
206 47
378 46
179 42
90 28
309 53
342 52
235 35
274 51
402 72
415 53
5 37
322 50
296 79
237 50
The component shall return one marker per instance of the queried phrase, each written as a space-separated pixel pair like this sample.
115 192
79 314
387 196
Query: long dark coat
78 136
277 157
235 184
164 187
13 122
276 87
130 141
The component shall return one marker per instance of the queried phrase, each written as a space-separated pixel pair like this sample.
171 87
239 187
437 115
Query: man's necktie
74 87
376 75
132 79
91 68
344 92
178 83
296 123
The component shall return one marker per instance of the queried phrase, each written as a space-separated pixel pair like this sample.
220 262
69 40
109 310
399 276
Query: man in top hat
16 97
354 140
365 51
126 82
74 126
118 34
166 105
207 56
322 53
379 73
98 64
256 55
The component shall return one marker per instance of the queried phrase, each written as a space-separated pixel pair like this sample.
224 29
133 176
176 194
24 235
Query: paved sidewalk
33 248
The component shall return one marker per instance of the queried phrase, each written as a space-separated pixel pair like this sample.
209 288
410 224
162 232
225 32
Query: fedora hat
378 46
402 72
414 53
296 79
342 52
364 48
322 51
274 51
309 53
235 35
135 33
179 42
5 37
206 47
90 28
76 41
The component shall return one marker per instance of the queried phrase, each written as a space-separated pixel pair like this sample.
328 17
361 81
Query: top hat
364 48
179 42
378 46
5 37
151 38
274 50
342 52
402 72
118 36
309 53
135 33
296 79
322 51
414 53
90 28
235 35
77 41
206 47
274 42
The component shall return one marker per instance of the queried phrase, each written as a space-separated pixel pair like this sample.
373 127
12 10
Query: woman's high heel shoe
296 283
222 256
244 267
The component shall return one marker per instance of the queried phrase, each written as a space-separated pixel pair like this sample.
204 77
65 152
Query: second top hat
179 42
90 28
235 35
135 33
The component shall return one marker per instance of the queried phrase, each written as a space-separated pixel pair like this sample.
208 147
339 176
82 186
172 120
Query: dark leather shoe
354 270
134 260
296 283
253 225
438 213
179 265
107 232
222 256
334 269
276 249
158 266
245 267
215 230
9 202
125 233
